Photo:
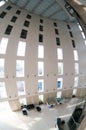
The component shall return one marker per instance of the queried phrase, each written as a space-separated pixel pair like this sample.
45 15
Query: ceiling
53 9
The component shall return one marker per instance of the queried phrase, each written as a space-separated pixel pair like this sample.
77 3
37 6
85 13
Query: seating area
26 108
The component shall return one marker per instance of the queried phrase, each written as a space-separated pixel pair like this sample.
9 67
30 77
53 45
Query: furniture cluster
26 108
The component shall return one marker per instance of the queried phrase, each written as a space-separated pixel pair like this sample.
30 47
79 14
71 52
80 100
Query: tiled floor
44 120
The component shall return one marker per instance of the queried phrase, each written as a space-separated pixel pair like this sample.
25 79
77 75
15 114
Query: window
21 87
71 34
19 68
40 51
2 15
22 101
40 68
76 82
59 54
21 48
80 28
59 83
28 16
57 41
3 45
23 34
14 18
40 28
75 55
68 26
8 29
59 94
76 68
18 12
26 23
74 91
2 3
56 31
55 24
83 35
85 42
41 97
9 7
41 85
3 93
40 38
41 20
73 43
2 68
60 68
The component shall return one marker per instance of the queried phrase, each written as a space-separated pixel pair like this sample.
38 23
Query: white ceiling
53 9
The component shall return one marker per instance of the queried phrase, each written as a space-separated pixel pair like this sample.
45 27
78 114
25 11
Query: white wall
50 54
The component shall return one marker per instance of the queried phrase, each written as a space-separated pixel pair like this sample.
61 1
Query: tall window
22 101
3 93
3 45
76 68
41 85
74 91
59 54
40 68
60 68
76 82
59 94
21 48
75 55
41 97
2 68
21 87
59 83
20 68
40 51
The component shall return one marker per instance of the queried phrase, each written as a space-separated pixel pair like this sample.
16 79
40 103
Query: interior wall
50 57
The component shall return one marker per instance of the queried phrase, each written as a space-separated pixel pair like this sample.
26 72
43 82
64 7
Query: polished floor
44 120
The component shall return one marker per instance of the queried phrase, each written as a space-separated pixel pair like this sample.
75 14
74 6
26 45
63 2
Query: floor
44 120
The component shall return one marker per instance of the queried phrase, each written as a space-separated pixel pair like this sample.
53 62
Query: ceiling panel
54 9
43 6
61 16
30 6
21 3
51 10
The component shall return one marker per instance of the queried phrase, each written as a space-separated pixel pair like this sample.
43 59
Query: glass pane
59 83
75 55
83 35
21 87
40 51
2 68
74 91
40 68
80 28
60 68
41 97
22 101
41 85
21 48
59 94
85 42
76 68
3 45
3 93
76 82
20 68
2 3
59 54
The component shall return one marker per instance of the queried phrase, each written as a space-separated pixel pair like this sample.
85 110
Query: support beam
79 12
62 5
